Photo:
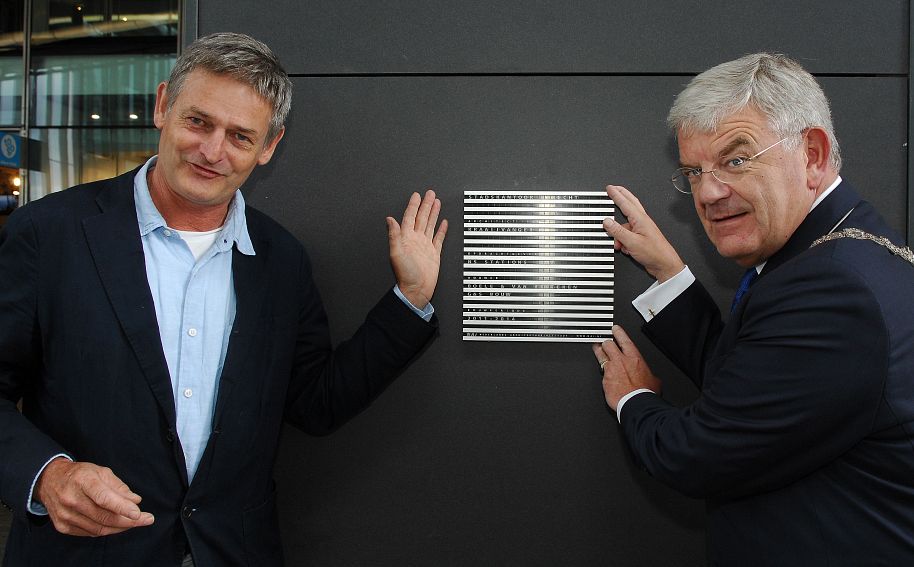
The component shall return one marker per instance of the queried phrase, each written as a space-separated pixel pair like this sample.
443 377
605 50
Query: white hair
777 86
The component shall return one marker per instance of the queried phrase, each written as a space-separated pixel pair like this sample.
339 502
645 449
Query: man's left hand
415 248
624 369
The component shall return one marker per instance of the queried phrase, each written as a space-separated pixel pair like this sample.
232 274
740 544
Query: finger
438 241
409 215
617 244
101 520
621 234
609 347
433 218
121 487
625 343
109 501
425 208
393 229
85 517
598 352
100 525
625 200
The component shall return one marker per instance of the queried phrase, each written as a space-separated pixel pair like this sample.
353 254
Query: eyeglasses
727 171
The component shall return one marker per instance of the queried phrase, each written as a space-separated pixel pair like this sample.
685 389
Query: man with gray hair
802 439
157 331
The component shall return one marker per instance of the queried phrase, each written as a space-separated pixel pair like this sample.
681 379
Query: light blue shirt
195 308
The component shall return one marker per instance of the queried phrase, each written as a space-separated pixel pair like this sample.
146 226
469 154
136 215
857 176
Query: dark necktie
744 285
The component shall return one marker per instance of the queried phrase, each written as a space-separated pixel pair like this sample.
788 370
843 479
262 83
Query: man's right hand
87 500
640 238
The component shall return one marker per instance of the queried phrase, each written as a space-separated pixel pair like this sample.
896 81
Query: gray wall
504 454
494 453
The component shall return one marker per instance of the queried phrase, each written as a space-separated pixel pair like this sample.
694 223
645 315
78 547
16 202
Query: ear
267 153
818 156
161 106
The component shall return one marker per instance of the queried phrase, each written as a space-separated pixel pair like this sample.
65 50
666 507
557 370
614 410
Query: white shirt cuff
31 505
659 295
627 397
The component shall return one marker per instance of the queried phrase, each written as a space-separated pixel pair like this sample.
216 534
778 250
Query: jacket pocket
262 542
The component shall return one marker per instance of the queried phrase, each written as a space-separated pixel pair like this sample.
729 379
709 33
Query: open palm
415 248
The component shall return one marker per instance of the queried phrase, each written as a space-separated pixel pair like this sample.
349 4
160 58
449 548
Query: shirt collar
825 193
234 231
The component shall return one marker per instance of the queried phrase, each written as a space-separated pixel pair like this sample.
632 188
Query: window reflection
94 67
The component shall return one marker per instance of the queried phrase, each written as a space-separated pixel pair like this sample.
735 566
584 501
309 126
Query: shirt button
166 232
188 392
192 332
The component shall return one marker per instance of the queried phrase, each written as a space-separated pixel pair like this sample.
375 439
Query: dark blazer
802 440
79 344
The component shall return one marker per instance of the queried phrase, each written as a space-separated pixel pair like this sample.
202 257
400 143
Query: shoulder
59 210
262 227
79 197
841 282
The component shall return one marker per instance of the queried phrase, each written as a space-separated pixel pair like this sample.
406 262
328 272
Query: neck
826 182
178 212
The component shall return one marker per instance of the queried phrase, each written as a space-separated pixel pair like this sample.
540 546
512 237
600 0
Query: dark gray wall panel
622 36
494 453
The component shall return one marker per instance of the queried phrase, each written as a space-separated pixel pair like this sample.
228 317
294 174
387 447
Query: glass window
94 69
11 64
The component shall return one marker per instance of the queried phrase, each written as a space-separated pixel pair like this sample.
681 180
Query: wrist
669 272
57 466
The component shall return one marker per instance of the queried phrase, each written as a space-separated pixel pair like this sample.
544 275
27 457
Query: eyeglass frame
681 171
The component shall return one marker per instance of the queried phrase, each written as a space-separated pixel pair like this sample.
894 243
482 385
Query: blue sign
9 150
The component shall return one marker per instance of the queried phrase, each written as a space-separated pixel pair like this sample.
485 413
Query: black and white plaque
537 266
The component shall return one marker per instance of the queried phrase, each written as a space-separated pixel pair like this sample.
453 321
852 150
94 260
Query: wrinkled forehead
725 119
747 126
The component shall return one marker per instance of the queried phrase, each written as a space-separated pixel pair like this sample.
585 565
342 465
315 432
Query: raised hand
415 248
640 238
87 500
624 369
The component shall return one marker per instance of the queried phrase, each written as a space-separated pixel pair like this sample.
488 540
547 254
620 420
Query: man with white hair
802 440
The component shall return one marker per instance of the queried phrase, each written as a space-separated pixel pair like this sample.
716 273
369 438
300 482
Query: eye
736 162
691 172
242 138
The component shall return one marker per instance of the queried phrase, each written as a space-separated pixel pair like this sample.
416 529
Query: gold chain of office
903 252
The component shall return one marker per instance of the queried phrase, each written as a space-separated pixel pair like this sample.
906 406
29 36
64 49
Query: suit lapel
248 275
114 242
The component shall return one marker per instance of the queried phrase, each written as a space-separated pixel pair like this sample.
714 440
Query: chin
739 253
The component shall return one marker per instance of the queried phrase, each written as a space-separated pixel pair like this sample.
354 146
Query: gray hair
244 59
785 93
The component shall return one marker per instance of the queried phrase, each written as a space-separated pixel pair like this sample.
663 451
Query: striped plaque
537 266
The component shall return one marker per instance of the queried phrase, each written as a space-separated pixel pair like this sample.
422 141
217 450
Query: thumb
393 230
621 234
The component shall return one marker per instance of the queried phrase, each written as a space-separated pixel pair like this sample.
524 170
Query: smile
204 172
724 218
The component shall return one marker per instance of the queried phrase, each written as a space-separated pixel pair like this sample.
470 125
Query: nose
212 146
710 190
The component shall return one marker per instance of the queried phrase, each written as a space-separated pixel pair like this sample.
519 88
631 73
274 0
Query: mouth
204 171
721 219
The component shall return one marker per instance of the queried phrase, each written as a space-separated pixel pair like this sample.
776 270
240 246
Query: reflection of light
123 19
94 116
17 182
133 116
16 193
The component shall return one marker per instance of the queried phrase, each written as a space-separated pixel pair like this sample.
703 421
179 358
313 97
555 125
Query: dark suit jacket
802 440
79 344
